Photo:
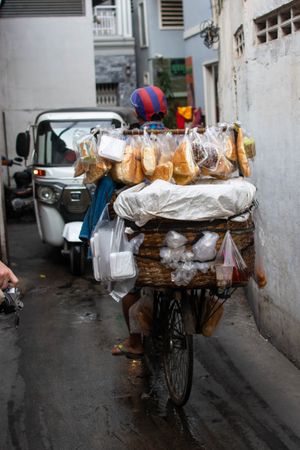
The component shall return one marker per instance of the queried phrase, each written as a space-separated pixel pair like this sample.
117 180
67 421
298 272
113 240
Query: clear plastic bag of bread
129 170
199 152
259 241
185 169
242 158
165 148
96 170
217 165
249 144
149 154
86 147
212 312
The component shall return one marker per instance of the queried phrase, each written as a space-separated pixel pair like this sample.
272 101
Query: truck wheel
77 259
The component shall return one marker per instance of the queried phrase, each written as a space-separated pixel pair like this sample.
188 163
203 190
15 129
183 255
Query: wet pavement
62 390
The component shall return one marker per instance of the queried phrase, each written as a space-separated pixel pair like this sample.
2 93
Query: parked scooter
18 198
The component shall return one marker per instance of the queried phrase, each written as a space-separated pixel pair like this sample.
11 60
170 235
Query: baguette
241 154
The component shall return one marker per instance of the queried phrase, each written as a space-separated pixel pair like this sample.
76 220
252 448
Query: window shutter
171 13
42 8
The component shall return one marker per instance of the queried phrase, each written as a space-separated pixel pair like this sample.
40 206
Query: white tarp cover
212 199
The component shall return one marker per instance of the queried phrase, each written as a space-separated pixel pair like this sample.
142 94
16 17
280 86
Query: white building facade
259 84
46 61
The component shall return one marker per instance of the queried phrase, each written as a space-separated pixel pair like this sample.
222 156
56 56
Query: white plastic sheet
212 199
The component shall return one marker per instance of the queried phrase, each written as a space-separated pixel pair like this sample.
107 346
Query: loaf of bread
261 278
149 155
223 170
96 171
231 151
79 168
183 159
162 172
129 171
183 180
241 154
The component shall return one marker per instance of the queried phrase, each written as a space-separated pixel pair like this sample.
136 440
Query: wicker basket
153 273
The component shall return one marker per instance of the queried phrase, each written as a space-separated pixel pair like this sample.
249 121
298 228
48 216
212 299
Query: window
107 94
171 14
239 39
143 31
279 23
220 6
40 8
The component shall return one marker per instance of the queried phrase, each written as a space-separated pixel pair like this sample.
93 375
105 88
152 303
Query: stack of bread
218 153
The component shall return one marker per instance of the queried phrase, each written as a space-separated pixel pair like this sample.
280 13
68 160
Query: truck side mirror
23 144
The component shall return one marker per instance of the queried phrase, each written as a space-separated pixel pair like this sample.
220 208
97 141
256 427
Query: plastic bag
111 146
249 145
172 255
121 288
149 154
136 242
121 259
101 241
199 152
113 259
212 313
174 239
86 147
259 240
183 159
229 256
205 248
184 274
129 170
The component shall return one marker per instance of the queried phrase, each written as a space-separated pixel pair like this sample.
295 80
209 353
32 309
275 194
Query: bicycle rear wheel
177 355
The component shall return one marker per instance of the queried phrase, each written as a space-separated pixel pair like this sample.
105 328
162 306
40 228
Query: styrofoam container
122 265
112 148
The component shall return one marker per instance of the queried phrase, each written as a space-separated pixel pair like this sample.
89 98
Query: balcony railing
105 21
110 21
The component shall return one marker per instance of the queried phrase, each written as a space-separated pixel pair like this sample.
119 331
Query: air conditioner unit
146 78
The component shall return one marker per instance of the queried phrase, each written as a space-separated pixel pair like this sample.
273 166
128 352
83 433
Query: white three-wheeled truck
61 200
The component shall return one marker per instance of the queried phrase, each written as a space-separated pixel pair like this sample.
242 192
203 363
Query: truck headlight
48 194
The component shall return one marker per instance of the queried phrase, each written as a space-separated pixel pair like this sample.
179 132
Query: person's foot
127 349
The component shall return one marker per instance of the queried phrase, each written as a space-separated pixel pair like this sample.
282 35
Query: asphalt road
62 390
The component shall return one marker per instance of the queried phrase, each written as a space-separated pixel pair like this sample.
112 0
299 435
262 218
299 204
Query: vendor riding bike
150 106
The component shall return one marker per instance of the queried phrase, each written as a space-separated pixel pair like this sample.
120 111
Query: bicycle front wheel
177 355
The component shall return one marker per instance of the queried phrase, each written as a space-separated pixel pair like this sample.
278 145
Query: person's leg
133 343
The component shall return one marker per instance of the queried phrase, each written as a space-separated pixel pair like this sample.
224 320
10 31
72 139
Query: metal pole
5 146
3 233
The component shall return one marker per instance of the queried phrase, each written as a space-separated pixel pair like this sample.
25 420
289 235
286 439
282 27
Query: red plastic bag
229 255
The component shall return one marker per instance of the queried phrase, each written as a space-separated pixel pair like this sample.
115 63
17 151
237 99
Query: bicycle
178 314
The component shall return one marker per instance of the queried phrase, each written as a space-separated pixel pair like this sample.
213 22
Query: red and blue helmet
149 100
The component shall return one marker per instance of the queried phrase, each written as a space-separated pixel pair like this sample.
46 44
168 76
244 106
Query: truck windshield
54 142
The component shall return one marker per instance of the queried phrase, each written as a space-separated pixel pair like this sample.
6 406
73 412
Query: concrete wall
44 63
196 12
111 69
262 90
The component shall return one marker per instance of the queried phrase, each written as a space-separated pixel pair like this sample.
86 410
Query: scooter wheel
77 259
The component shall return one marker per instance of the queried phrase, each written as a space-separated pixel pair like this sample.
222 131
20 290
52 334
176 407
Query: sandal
120 350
